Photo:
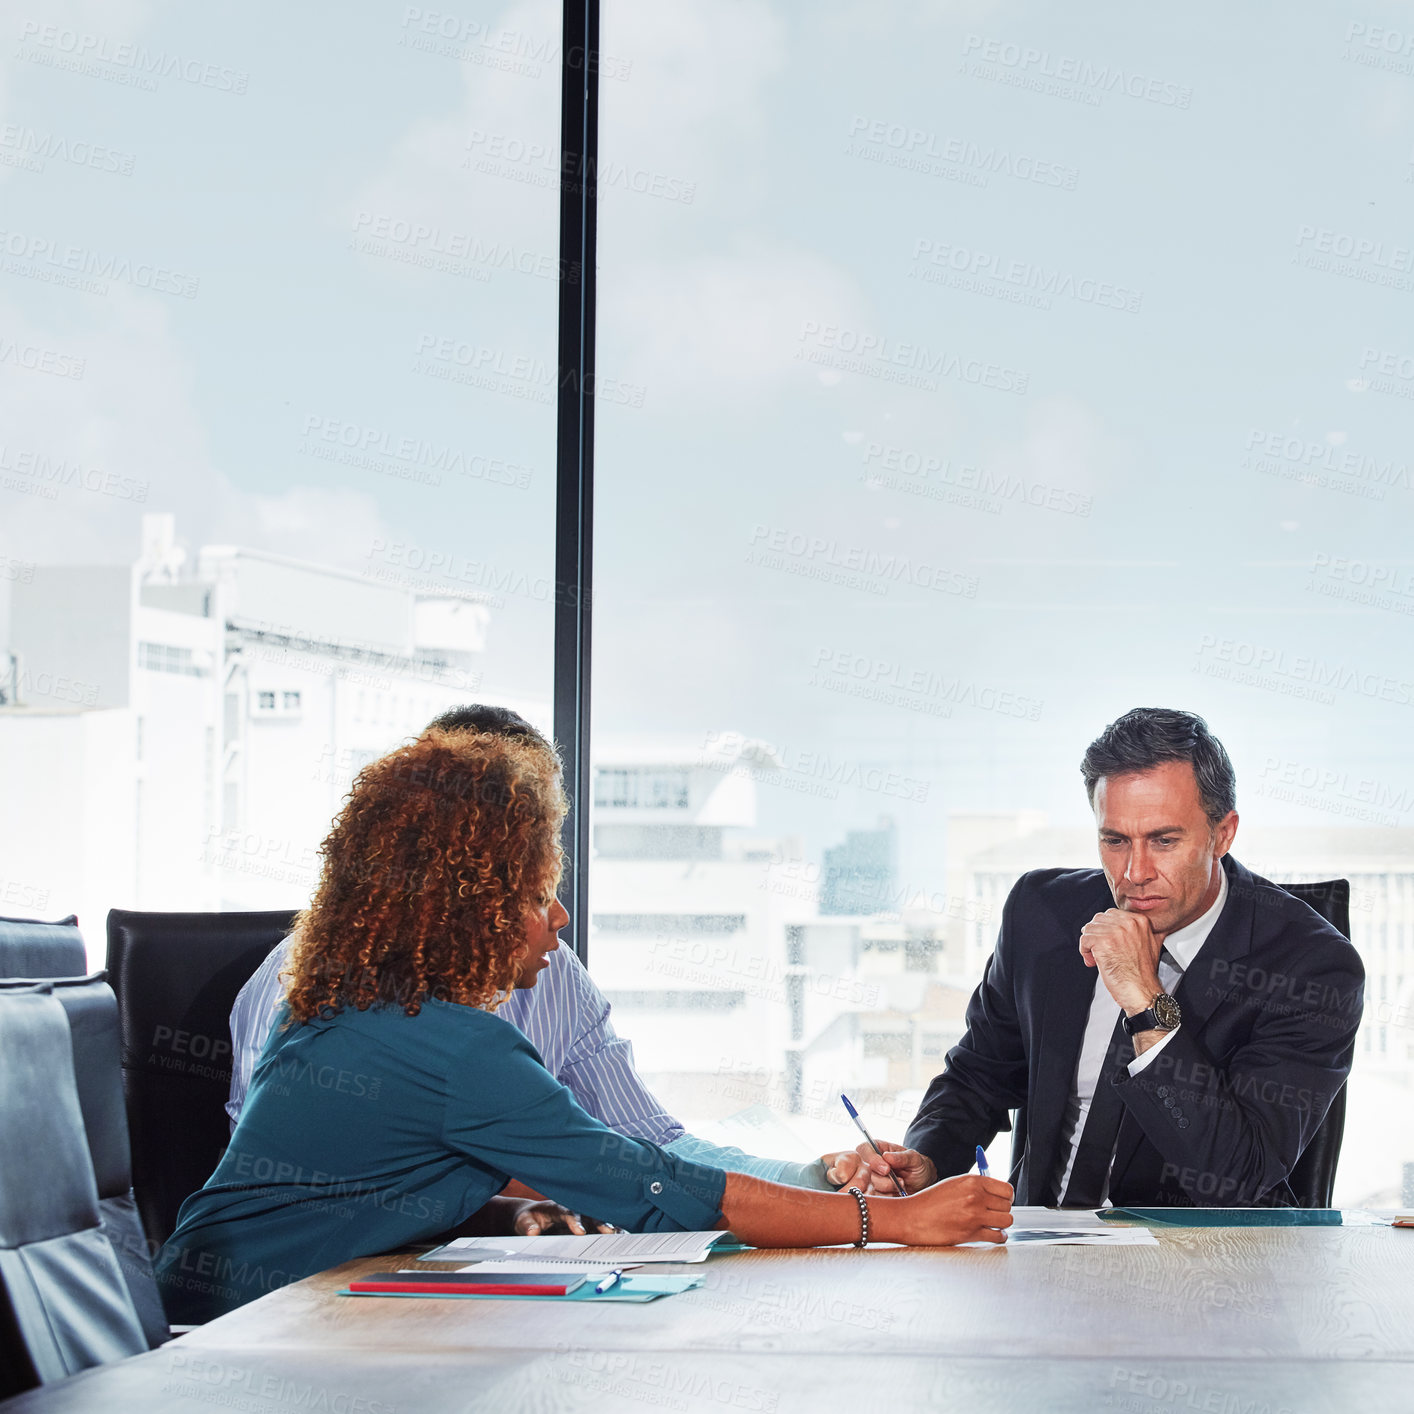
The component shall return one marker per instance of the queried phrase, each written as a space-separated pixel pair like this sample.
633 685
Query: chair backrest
65 1303
176 976
92 1013
32 949
1313 1178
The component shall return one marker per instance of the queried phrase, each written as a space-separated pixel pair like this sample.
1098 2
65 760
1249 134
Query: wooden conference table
1224 1320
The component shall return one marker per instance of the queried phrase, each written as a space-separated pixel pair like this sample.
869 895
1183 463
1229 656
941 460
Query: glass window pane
1001 372
278 426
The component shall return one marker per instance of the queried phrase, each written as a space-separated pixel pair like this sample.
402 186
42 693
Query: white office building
750 1012
687 939
182 733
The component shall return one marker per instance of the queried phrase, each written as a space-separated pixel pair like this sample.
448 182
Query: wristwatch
1163 1015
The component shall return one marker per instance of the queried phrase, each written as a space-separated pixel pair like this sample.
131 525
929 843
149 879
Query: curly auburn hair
442 849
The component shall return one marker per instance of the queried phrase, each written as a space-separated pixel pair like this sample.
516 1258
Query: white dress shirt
1180 949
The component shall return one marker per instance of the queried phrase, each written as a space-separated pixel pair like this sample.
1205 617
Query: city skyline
726 948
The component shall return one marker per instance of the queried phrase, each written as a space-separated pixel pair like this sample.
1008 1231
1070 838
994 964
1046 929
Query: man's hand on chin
1125 949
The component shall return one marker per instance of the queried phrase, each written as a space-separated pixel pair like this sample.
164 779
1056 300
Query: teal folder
1233 1217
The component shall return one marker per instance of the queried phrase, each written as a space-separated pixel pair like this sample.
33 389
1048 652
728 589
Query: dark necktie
1097 1140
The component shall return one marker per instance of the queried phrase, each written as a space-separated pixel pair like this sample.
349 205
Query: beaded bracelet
858 1197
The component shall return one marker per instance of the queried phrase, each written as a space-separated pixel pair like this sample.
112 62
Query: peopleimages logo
333 437
1363 799
902 468
122 60
1090 81
1354 257
810 772
23 146
41 360
1353 247
541 164
842 669
55 262
1296 675
933 153
1378 47
939 261
896 361
1298 449
1328 464
433 247
1384 371
509 50
45 470
777 547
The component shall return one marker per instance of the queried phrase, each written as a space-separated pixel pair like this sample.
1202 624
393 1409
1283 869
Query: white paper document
1073 1227
561 1265
1067 1218
1079 1237
615 1249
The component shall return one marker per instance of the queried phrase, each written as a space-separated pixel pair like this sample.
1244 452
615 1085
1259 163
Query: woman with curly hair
391 1103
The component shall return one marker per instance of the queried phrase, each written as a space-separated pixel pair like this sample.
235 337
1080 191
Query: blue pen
608 1280
859 1124
981 1162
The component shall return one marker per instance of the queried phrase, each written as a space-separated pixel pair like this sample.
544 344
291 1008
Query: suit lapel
1201 987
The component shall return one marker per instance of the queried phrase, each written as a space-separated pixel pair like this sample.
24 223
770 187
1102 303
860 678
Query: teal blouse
371 1130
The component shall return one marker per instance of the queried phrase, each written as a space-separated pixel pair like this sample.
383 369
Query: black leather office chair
176 976
92 1013
64 1305
1313 1178
32 949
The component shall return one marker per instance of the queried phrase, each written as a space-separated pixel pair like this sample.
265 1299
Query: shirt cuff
1139 1062
811 1175
690 1194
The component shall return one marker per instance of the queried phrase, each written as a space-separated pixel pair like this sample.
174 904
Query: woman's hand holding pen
865 1169
968 1208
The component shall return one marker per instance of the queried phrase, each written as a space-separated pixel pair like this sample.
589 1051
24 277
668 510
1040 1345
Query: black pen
854 1115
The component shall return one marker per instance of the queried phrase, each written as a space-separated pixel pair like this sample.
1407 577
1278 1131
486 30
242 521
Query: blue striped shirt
566 1018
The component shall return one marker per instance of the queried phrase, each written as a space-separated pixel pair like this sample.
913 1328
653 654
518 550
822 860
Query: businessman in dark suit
1170 1028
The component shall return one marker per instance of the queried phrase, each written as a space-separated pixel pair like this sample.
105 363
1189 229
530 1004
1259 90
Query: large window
1000 370
278 420
964 378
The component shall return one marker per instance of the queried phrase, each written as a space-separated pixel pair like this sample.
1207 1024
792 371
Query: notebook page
617 1249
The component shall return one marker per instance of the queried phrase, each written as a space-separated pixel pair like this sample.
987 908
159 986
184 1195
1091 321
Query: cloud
488 167
686 113
698 328
683 122
328 524
127 438
696 96
1065 444
117 19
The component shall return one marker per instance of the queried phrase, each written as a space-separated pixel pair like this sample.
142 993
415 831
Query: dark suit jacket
1270 1009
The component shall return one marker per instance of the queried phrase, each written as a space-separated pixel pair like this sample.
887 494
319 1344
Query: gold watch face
1166 1011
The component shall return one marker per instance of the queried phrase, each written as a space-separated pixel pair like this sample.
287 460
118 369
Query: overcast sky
961 364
